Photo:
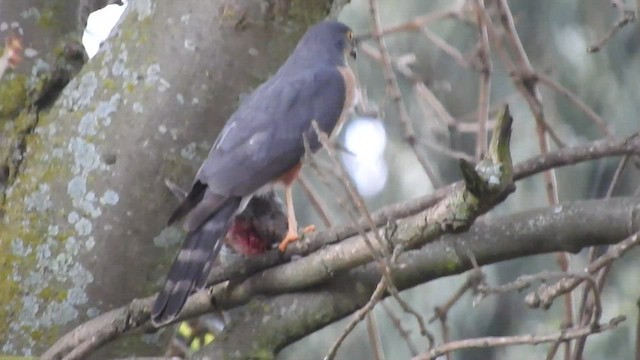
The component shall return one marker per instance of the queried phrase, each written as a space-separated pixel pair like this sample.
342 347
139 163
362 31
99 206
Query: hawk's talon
290 238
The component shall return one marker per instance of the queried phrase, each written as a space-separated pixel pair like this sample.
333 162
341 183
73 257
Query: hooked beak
354 45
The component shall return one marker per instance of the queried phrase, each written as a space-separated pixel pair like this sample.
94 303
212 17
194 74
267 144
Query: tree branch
493 341
568 227
566 231
563 157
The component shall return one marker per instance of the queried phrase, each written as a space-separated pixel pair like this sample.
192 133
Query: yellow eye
350 35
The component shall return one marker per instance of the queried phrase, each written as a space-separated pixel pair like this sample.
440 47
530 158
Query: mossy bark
41 25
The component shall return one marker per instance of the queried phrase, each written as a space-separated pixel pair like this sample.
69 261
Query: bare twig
591 115
417 23
586 308
616 175
484 92
445 47
393 90
374 336
410 310
355 198
473 280
429 104
554 161
441 312
359 204
465 126
446 335
494 341
521 77
447 152
314 199
397 324
357 318
546 294
533 96
626 17
534 299
553 349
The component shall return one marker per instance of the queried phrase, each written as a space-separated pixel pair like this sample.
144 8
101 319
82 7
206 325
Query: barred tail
193 263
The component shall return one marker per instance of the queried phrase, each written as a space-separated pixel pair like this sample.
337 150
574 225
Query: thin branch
553 349
616 175
520 75
427 99
586 308
359 204
494 341
465 126
425 94
446 335
544 296
457 155
533 299
559 158
374 336
357 318
393 90
445 47
372 328
473 279
429 105
314 199
397 324
442 312
355 197
591 115
407 308
532 93
626 17
484 92
417 23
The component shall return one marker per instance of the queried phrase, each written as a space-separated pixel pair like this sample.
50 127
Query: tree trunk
84 214
43 27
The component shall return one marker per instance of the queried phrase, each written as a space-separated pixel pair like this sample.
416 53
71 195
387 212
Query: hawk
262 144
